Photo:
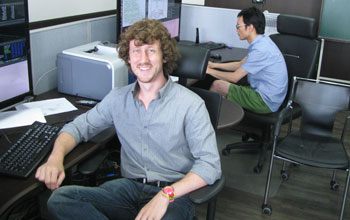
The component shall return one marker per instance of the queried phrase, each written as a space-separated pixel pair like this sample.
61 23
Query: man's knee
220 86
60 196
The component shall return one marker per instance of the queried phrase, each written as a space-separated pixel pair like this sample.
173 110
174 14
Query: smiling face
146 61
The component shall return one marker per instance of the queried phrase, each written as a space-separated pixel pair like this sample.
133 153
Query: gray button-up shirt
172 137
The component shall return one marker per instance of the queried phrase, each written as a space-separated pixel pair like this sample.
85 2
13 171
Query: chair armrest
206 193
281 116
90 165
345 127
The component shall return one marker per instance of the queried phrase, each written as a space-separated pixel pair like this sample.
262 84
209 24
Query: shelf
11 13
12 22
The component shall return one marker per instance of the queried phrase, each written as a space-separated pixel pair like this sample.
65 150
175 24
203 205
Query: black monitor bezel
4 105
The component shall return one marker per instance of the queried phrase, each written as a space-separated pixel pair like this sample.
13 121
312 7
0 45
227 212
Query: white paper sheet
11 119
157 9
50 106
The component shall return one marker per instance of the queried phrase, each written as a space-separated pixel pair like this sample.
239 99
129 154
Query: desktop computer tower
90 70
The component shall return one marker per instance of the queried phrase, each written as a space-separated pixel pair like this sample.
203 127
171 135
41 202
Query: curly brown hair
147 31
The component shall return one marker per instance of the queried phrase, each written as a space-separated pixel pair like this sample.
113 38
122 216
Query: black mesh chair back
313 144
212 102
297 41
192 63
319 103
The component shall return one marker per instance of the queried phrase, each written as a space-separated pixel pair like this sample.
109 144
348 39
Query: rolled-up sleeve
202 143
89 124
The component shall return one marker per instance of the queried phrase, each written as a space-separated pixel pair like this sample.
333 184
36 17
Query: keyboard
29 150
211 45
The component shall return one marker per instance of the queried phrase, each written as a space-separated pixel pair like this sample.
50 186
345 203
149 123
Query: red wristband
169 192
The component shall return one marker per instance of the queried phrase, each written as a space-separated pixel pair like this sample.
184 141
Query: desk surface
13 189
230 114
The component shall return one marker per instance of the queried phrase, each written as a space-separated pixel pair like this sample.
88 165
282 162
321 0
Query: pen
90 103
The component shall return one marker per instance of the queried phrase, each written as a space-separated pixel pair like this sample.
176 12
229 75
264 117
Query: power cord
6 137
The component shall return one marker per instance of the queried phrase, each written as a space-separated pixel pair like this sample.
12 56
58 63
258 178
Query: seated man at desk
168 145
264 67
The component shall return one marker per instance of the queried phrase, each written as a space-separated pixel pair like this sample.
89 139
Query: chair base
249 146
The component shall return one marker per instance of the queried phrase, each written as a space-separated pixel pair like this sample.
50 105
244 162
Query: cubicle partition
217 25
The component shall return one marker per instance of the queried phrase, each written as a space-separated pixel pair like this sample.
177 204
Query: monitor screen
14 83
167 11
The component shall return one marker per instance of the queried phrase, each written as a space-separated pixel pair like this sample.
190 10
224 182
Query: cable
6 137
41 77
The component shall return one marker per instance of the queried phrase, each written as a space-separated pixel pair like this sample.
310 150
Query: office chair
192 65
297 41
313 144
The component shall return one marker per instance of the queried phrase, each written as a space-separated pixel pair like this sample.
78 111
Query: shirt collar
260 36
161 93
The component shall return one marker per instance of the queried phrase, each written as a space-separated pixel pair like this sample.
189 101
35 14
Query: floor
305 195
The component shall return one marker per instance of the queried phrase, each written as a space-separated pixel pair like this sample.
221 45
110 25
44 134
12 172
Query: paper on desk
11 119
50 106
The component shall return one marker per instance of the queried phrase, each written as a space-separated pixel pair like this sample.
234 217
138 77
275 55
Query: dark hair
147 31
255 17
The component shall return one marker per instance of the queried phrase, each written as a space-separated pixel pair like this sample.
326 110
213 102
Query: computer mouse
215 56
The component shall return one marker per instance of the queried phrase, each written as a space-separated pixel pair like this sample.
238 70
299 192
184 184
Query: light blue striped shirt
173 137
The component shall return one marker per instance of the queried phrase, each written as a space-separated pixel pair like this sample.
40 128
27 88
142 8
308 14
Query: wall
309 8
47 42
193 2
40 10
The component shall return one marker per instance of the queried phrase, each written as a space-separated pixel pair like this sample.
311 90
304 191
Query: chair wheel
225 152
258 169
284 175
267 209
334 185
245 137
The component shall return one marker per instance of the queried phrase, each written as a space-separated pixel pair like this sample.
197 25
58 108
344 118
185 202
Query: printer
90 70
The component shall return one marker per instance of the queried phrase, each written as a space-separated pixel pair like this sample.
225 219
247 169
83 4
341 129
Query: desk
230 114
13 189
230 54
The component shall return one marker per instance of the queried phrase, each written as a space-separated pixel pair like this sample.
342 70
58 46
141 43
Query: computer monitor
15 83
167 11
15 69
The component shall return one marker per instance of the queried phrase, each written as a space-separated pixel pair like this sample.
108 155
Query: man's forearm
189 183
63 145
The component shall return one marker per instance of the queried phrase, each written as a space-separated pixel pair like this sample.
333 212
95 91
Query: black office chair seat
313 143
312 150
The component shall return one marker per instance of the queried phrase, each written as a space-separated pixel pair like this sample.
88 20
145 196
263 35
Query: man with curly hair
168 145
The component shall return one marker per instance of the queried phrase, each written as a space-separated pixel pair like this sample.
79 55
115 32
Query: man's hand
210 68
154 209
51 173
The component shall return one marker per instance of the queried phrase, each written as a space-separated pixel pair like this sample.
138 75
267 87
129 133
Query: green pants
248 98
